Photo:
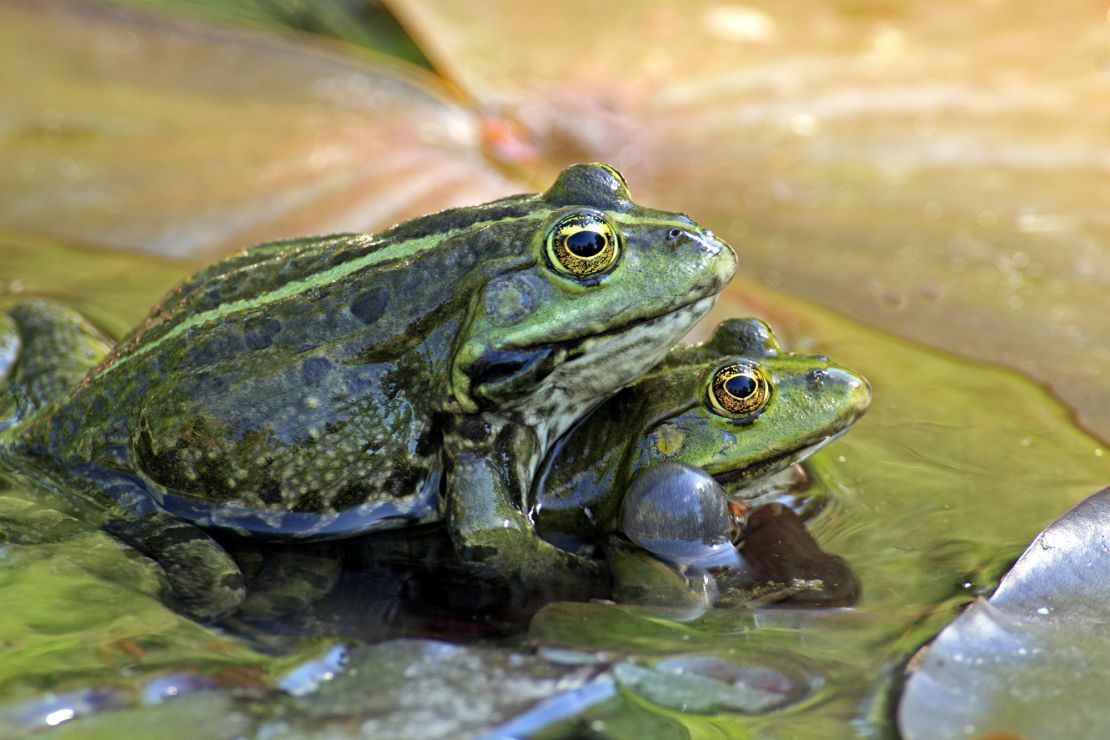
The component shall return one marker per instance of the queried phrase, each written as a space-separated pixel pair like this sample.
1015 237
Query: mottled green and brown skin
668 416
324 387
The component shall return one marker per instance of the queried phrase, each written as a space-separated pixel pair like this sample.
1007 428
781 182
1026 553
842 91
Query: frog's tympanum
324 387
737 407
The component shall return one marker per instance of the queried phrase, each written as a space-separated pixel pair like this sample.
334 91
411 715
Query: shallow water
955 468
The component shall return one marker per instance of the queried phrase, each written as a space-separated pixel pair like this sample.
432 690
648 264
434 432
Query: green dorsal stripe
399 250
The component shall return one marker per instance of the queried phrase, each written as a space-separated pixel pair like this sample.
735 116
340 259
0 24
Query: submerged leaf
705 684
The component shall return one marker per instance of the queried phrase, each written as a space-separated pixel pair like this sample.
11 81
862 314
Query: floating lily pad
1034 659
363 22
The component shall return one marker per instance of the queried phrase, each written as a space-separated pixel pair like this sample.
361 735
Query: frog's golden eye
738 390
583 245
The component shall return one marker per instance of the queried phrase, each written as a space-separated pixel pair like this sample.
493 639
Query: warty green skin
324 387
664 417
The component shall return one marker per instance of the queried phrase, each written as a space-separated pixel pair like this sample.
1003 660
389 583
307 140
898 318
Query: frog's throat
600 365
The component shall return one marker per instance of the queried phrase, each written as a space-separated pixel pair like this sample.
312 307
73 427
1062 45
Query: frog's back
260 282
292 388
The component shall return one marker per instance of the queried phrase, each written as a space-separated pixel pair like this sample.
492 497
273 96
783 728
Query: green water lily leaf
128 131
1033 660
935 169
197 716
705 684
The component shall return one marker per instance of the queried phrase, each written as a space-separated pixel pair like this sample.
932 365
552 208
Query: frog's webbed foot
498 542
204 581
51 350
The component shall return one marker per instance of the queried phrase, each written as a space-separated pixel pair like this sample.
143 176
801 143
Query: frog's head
600 290
750 411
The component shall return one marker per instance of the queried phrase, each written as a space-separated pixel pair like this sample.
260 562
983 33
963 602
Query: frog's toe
204 581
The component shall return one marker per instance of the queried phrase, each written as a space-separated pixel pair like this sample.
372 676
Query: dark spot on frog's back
270 491
261 333
210 383
309 503
209 350
313 370
350 496
368 307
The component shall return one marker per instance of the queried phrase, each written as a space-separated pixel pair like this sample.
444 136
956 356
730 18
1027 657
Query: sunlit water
954 469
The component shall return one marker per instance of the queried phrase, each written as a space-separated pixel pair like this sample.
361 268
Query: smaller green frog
737 407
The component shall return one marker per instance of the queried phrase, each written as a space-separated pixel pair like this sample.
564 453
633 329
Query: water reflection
684 549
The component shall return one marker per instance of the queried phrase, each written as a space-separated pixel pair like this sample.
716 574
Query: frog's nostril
857 386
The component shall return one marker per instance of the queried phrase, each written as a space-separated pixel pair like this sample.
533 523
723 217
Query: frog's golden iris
583 245
739 390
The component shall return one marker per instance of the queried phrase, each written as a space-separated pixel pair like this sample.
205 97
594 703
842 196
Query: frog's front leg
489 529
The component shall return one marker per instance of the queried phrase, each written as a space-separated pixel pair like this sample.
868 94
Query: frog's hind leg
45 349
205 582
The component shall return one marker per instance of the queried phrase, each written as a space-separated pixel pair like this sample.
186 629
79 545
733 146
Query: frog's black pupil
585 244
740 386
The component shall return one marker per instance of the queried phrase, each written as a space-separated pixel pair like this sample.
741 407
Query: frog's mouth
594 363
500 370
753 474
613 344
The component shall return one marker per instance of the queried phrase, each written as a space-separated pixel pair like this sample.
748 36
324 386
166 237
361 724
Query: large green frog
737 407
324 387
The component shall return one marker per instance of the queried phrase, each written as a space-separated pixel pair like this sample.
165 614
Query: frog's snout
858 389
722 258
